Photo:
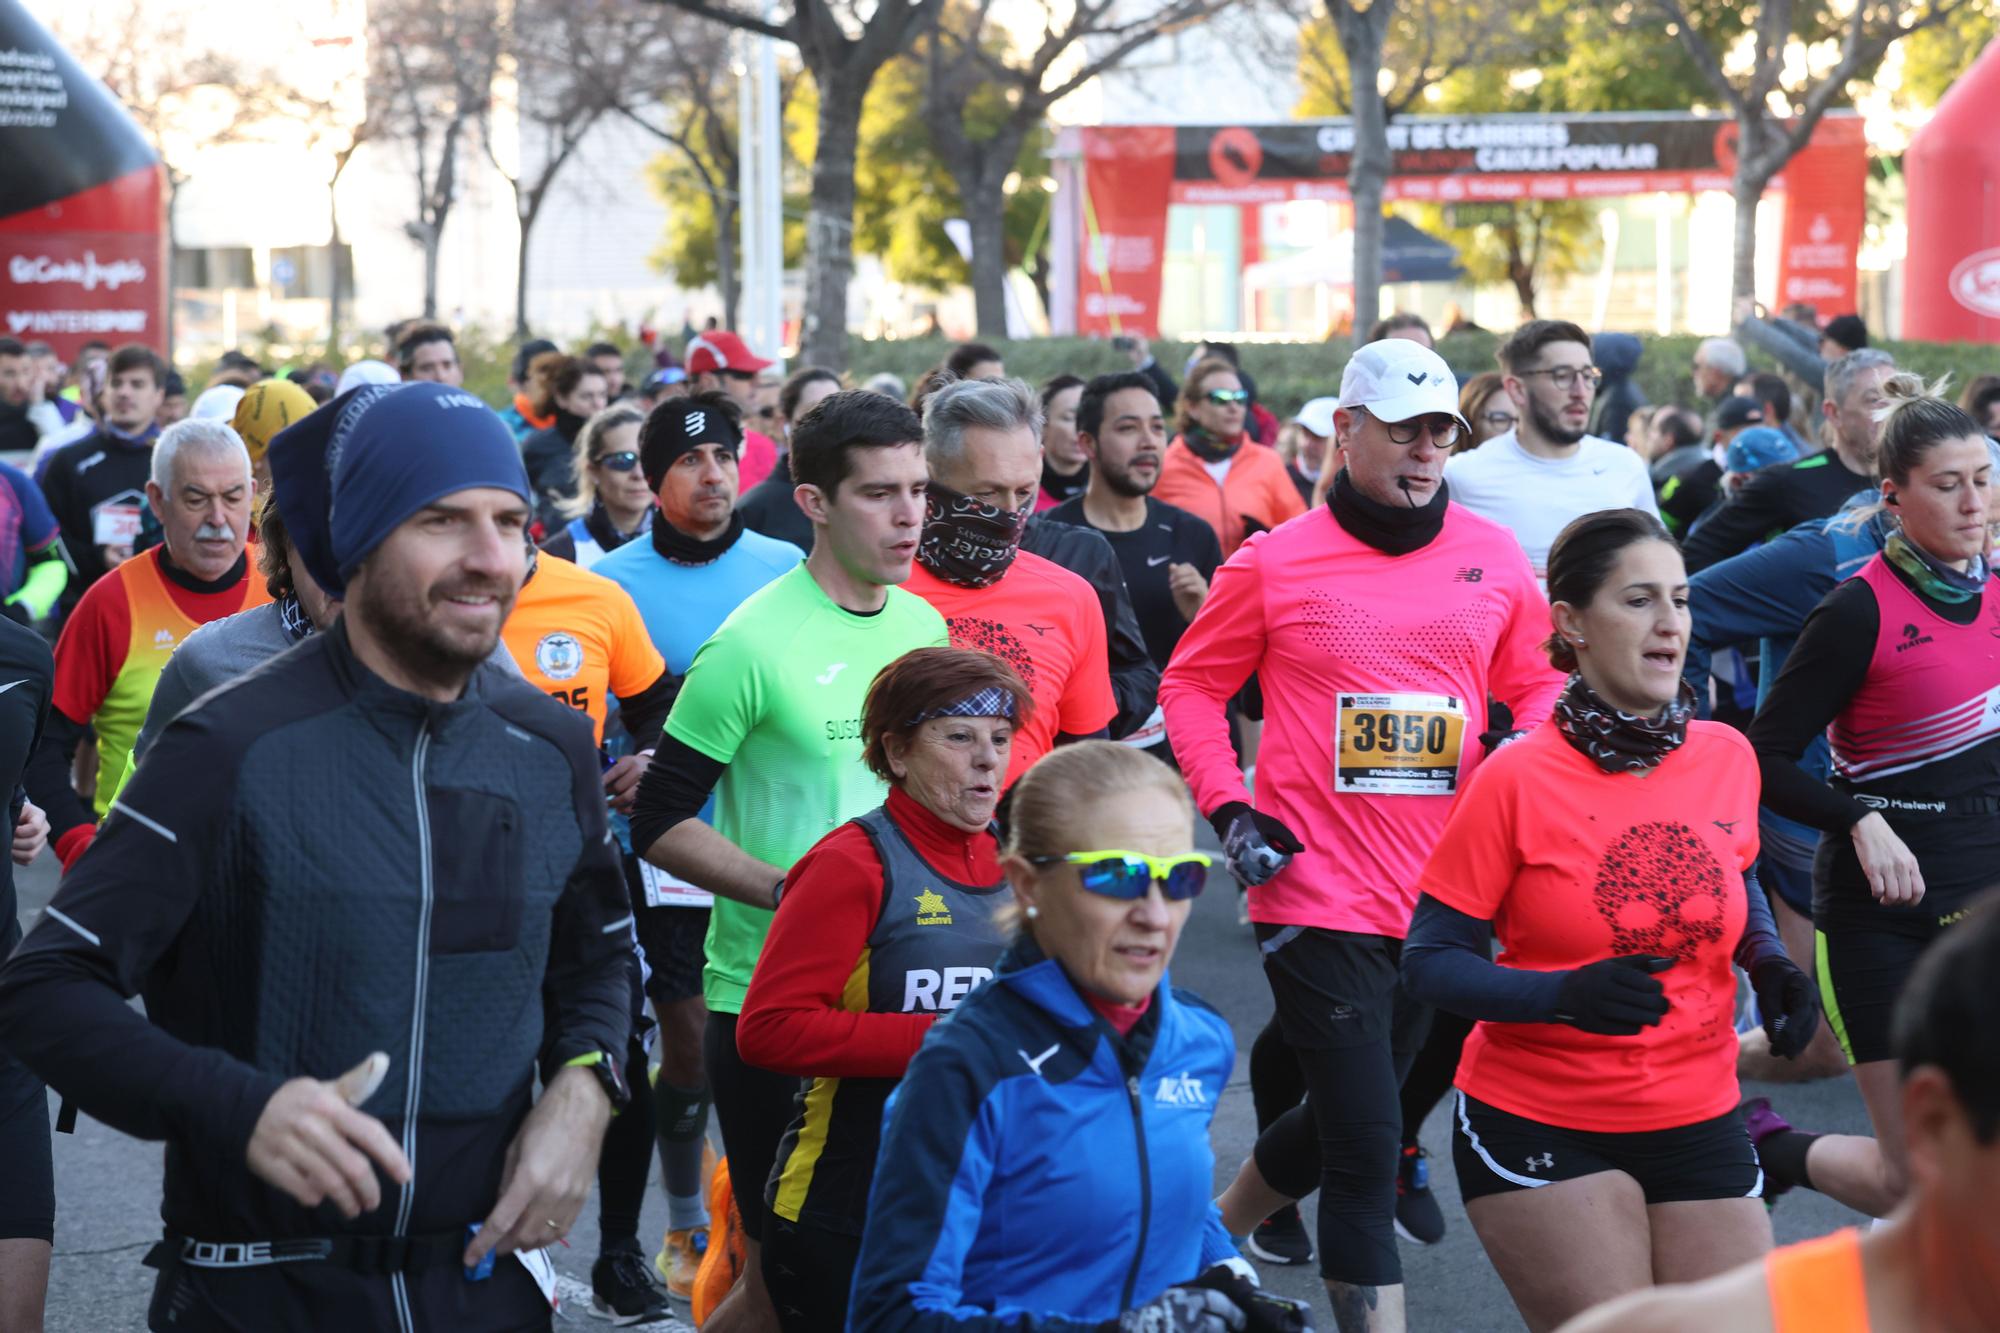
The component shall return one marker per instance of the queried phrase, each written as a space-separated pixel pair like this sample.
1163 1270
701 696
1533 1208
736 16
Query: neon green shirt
776 695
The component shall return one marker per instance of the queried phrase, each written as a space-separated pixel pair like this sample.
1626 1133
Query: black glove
1615 997
1183 1310
1256 845
1264 1311
1790 1004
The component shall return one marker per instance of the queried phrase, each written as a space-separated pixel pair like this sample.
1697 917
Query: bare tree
842 44
147 57
1776 116
1382 57
431 69
985 93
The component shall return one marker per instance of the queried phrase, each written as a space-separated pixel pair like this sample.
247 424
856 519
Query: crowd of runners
805 785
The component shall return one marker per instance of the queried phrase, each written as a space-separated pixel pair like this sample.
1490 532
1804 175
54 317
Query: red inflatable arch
1952 170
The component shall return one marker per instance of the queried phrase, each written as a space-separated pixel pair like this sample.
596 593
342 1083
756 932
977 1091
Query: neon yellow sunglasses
1128 875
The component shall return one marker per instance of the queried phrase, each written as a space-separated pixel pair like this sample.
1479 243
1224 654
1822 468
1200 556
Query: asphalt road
107 1186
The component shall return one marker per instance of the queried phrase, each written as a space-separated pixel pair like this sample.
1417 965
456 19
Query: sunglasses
1128 875
1227 397
623 461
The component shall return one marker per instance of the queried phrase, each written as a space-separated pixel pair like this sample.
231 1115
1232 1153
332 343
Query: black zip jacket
312 865
1135 681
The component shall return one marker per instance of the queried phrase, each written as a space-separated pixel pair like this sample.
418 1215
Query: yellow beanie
268 407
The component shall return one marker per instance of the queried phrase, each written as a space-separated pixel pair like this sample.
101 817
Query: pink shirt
1395 654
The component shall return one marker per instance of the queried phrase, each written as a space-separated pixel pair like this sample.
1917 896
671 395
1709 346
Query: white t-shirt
1538 497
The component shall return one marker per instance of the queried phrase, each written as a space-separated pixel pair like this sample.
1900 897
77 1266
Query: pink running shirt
1396 654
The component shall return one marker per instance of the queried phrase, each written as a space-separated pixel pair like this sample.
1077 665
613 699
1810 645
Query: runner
1931 1266
698 564
578 638
387 861
1167 555
1761 599
572 391
769 721
1050 1143
1208 471
1549 469
885 926
721 362
613 503
1065 471
97 486
768 507
1390 614
27 1173
1895 666
1597 1143
982 441
119 637
427 351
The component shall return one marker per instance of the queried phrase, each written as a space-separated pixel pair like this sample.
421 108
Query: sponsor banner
78 270
1446 160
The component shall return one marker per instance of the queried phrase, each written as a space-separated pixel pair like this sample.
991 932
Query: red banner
1132 174
89 266
1826 212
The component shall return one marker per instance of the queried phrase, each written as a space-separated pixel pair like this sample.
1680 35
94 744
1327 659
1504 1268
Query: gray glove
1256 845
1184 1310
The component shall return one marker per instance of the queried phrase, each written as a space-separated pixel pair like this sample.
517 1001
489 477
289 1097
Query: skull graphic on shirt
1661 890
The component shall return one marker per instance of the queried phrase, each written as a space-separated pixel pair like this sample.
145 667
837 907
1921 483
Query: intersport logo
86 272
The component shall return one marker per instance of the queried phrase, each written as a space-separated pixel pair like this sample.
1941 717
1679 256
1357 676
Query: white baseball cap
1396 379
1317 416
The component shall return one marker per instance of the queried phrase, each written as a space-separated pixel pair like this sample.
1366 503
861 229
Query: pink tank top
1932 690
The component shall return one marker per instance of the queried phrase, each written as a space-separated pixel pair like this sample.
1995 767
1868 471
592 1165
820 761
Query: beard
1122 482
1549 424
404 619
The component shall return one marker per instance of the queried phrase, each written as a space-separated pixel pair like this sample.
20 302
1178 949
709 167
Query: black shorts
1496 1152
27 1171
1332 988
1861 972
675 941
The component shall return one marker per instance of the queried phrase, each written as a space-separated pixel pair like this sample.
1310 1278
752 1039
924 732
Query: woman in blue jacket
1045 1163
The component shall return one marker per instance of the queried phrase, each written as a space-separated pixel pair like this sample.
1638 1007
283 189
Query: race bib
663 890
1397 744
114 525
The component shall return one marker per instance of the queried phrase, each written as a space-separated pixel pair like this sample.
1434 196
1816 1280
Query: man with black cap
1690 493
698 566
374 856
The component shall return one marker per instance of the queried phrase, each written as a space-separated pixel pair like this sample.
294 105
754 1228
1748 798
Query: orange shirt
1819 1285
1573 865
1046 623
579 636
1256 487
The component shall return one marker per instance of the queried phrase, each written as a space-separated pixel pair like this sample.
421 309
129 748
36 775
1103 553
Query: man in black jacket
372 855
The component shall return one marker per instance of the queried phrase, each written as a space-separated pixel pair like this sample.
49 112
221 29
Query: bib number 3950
1397 744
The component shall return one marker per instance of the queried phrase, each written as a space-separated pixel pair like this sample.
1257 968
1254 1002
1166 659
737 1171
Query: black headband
680 426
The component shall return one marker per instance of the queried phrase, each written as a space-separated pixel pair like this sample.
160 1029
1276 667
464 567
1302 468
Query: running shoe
679 1259
1281 1238
623 1292
1418 1217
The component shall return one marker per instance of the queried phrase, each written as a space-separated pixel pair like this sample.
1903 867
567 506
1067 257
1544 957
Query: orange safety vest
1817 1286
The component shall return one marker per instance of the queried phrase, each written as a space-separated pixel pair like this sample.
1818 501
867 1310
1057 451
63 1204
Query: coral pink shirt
1395 654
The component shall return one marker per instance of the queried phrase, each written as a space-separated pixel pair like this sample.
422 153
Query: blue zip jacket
1039 1172
1764 596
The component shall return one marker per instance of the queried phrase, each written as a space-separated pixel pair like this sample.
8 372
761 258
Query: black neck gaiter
682 549
967 542
1391 529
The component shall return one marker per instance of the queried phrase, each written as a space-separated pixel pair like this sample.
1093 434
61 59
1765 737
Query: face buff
966 542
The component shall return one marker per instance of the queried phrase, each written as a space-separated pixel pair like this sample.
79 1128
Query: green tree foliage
686 251
1934 57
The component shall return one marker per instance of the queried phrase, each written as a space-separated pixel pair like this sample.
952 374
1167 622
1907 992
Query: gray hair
993 404
1723 354
586 448
1841 374
198 437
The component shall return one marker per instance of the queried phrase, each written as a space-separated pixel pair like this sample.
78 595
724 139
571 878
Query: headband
990 702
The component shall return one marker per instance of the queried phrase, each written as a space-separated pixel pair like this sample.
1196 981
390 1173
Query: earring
1031 912
1578 641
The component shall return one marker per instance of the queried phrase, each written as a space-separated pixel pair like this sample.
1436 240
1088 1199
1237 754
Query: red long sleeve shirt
792 1021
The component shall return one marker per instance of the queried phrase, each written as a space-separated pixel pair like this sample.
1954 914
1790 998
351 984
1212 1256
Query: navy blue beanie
346 476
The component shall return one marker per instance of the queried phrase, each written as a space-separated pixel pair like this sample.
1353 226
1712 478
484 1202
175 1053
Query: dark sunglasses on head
623 461
1128 875
1227 397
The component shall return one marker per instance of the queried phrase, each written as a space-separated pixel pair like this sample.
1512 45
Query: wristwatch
610 1076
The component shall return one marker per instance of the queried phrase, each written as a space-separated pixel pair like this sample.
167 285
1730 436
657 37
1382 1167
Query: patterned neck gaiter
967 542
1932 577
1617 741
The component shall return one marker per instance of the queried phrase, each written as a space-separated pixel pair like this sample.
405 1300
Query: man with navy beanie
369 895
